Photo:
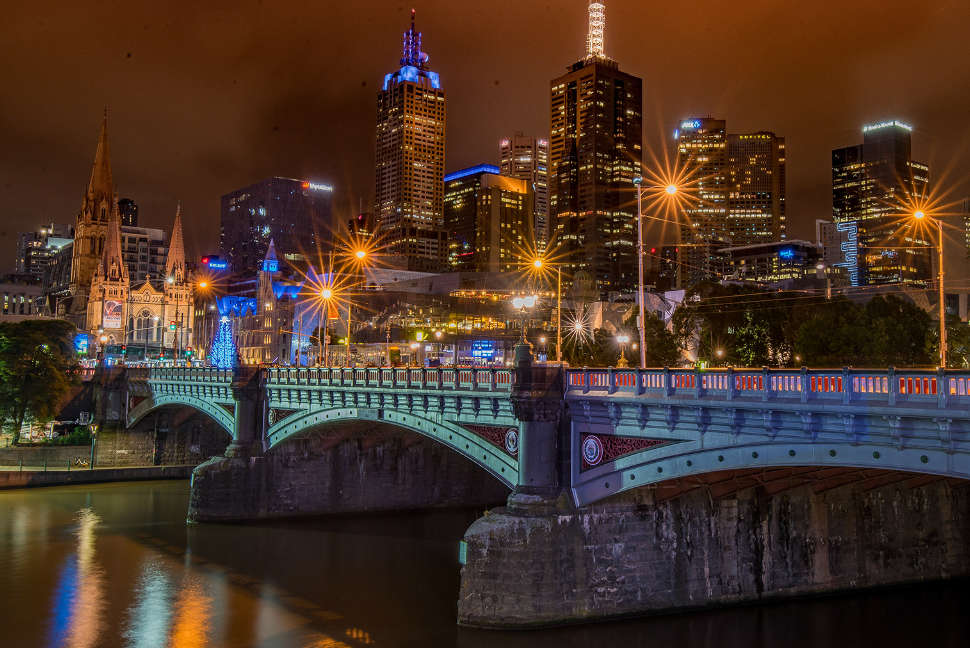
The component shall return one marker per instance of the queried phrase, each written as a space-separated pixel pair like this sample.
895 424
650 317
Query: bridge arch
214 411
497 462
682 460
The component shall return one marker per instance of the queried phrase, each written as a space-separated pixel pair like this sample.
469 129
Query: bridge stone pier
627 491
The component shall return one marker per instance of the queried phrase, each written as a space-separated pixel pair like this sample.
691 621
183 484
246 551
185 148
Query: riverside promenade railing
836 386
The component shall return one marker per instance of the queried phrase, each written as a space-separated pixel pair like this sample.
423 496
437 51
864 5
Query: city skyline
322 124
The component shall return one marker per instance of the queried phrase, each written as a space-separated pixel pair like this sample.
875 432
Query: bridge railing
441 378
182 374
827 385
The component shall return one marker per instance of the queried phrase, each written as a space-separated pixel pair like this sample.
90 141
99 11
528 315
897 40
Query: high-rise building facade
128 209
410 161
35 249
738 192
488 216
595 151
144 250
296 214
527 158
874 185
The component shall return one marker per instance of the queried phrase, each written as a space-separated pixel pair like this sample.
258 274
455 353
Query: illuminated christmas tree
223 354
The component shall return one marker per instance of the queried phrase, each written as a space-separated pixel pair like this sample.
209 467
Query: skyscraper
487 215
595 151
35 249
296 214
527 158
872 185
128 209
740 191
410 160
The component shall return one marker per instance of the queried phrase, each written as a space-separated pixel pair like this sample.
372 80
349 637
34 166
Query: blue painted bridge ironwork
621 429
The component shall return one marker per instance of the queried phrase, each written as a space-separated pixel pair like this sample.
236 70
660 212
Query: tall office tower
740 191
527 158
488 219
128 209
595 151
756 184
296 214
35 249
410 161
91 227
872 185
702 150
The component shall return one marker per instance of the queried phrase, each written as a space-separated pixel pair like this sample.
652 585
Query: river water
115 565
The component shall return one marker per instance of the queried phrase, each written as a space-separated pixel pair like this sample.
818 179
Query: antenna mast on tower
597 27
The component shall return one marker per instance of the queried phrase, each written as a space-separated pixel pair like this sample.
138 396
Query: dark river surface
115 565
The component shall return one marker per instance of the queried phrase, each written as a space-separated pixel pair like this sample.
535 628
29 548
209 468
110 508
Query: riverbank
14 477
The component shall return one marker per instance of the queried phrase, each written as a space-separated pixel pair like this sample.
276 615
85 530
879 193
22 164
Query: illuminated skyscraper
410 160
871 184
527 158
740 197
487 215
595 151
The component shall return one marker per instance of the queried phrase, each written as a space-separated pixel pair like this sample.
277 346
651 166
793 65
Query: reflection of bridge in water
576 437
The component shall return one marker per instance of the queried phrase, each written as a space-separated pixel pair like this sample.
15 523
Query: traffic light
172 325
188 352
124 349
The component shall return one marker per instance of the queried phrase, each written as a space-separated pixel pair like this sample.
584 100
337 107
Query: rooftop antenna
597 28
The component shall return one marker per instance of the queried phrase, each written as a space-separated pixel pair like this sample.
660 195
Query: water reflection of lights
151 611
192 611
79 597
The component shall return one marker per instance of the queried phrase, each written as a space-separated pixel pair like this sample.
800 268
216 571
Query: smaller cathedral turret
175 262
108 294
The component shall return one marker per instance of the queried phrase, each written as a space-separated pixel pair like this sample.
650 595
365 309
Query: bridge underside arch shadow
222 415
500 462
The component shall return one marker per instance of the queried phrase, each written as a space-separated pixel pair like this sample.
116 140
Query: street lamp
326 294
623 340
920 215
538 264
642 322
521 304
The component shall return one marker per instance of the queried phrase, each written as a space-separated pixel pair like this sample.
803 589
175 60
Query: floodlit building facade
488 216
527 158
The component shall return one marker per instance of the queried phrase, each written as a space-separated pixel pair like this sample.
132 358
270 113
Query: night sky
206 97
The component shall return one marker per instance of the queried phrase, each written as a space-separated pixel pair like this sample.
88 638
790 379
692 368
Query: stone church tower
91 227
178 289
108 300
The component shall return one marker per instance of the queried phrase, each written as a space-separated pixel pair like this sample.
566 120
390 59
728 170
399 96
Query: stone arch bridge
617 458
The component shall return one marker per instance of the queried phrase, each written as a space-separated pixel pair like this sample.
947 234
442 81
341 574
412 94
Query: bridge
586 452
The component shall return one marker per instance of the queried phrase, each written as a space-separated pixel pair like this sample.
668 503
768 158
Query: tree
37 367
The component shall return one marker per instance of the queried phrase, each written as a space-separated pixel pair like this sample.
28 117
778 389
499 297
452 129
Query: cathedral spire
101 184
175 263
113 267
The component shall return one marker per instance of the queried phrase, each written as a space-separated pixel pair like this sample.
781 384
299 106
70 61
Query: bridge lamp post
326 294
538 264
920 215
521 304
623 340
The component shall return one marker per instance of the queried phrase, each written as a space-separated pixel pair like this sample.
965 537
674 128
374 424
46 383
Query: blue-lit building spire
414 62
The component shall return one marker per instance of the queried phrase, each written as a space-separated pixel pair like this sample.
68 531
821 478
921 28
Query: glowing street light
671 189
622 340
521 304
920 215
538 265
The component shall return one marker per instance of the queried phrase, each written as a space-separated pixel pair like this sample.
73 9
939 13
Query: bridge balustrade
432 378
837 386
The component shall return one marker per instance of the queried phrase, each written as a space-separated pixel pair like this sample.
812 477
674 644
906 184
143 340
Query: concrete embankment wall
632 556
356 468
26 479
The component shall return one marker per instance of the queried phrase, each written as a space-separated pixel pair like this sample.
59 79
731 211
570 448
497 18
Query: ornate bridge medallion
596 449
501 436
